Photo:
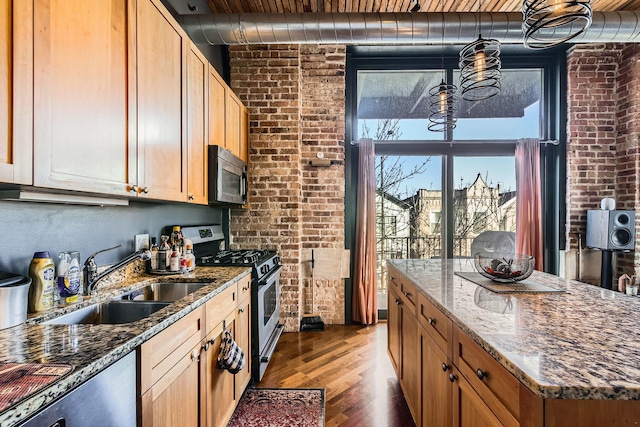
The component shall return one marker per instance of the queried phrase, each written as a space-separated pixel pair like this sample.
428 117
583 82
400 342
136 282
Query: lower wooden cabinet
180 381
409 374
469 410
393 329
436 385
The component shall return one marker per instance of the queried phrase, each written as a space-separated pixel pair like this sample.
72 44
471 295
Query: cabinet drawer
220 306
165 350
436 324
494 384
409 295
394 279
244 288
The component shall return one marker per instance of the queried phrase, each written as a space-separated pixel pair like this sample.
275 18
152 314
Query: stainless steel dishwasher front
106 400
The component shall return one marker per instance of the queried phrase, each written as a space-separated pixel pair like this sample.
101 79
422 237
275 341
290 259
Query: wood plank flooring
352 364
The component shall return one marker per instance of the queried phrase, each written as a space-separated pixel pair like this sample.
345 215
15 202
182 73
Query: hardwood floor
351 363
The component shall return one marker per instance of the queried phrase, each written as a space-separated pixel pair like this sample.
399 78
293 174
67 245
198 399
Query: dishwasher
106 400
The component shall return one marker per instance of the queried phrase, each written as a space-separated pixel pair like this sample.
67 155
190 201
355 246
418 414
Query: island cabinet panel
393 329
591 413
16 91
409 361
436 324
197 125
436 392
469 410
161 47
84 94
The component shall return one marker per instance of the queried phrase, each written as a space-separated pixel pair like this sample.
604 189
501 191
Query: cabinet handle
133 188
191 197
406 294
431 321
144 190
445 367
481 374
205 347
398 302
245 288
452 377
241 310
195 356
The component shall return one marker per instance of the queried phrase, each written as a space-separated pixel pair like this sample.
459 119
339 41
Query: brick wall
295 96
603 102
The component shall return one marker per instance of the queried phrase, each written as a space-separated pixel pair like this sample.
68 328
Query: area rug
280 407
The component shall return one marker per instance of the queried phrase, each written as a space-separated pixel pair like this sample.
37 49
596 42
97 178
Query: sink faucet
91 276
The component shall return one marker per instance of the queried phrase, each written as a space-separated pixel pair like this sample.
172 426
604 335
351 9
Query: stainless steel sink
168 291
111 312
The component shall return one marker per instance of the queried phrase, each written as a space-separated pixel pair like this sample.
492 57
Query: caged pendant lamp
547 23
442 100
480 67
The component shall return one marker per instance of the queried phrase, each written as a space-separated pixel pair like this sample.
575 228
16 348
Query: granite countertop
91 348
580 344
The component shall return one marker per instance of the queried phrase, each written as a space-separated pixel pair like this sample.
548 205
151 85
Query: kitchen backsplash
31 227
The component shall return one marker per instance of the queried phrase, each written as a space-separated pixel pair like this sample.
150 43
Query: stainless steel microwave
227 178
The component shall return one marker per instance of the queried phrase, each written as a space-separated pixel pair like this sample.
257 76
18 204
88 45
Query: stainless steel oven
227 178
267 329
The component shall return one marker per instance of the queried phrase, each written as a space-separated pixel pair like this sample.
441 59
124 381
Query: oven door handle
272 273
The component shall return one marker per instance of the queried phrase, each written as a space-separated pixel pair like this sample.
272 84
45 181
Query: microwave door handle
244 183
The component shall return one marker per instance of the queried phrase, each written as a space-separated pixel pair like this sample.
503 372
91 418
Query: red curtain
529 204
365 292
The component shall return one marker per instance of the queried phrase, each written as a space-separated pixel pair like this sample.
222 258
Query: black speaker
611 230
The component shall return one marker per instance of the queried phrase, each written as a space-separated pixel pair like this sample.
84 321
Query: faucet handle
90 260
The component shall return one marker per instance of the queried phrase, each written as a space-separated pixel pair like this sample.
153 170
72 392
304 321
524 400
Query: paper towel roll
607 204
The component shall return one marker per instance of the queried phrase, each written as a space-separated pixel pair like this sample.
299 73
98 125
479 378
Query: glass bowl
504 267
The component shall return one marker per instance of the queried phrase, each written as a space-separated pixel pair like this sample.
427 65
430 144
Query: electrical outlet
141 241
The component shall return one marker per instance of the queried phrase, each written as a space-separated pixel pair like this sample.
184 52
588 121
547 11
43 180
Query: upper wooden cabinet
84 93
16 91
244 134
162 49
233 120
217 108
197 129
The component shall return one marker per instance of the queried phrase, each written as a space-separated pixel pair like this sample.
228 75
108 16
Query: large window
450 193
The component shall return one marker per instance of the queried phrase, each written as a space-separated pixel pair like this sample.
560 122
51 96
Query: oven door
268 308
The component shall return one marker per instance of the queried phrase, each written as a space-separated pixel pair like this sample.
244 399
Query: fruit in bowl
504 267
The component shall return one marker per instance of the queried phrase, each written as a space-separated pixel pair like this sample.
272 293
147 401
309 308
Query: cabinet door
197 77
217 108
219 384
468 408
393 329
436 390
16 91
244 134
161 47
174 400
84 78
409 358
232 123
243 338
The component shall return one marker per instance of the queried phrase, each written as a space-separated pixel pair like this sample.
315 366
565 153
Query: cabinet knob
398 302
431 321
481 374
133 188
144 190
406 294
245 288
195 356
445 367
191 197
205 346
241 310
452 377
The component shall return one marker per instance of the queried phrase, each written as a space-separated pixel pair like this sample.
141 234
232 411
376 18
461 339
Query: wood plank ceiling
363 6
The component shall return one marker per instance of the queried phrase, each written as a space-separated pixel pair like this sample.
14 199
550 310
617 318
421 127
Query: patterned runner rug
280 407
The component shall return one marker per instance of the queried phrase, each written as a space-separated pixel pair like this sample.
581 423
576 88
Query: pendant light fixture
442 99
548 23
480 66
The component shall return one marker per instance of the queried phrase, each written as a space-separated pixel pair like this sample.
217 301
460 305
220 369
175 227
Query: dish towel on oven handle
231 356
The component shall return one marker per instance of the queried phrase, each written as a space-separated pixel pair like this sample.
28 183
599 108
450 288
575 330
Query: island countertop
583 343
91 348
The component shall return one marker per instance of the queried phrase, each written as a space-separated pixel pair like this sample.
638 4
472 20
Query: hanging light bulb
547 23
479 61
442 107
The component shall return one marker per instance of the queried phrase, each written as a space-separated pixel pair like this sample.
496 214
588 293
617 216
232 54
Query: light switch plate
141 241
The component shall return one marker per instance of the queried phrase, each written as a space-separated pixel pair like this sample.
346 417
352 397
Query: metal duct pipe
388 28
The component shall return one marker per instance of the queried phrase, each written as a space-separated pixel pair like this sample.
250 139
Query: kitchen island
556 355
92 348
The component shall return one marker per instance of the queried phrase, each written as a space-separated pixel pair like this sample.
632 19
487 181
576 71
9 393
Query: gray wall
30 227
